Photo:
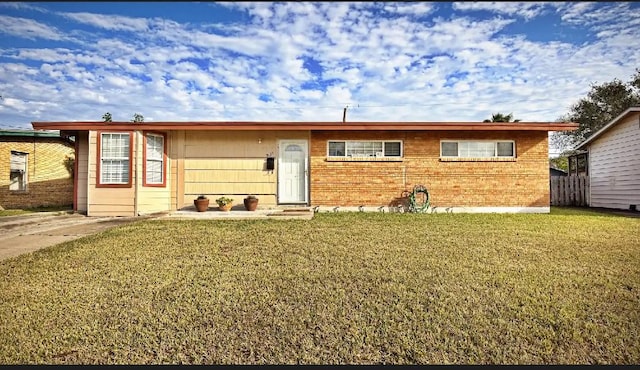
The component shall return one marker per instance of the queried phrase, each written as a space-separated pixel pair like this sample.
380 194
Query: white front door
292 171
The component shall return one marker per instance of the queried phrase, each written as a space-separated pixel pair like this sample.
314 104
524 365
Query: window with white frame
477 149
18 171
363 149
115 158
154 157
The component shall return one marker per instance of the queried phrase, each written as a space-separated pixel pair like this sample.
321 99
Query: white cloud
578 12
410 8
22 6
28 29
110 21
525 10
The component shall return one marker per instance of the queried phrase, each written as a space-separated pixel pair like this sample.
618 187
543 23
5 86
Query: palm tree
499 117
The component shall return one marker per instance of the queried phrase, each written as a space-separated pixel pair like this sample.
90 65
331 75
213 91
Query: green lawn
346 288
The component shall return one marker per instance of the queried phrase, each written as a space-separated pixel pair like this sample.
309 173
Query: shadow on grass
16 212
593 211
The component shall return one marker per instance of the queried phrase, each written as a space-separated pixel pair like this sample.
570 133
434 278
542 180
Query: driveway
27 233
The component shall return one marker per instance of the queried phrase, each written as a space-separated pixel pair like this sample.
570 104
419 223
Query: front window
477 149
154 160
364 149
18 171
115 159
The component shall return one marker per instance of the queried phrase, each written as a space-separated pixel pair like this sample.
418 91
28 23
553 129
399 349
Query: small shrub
223 201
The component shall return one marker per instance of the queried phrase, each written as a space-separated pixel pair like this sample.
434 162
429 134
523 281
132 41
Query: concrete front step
284 213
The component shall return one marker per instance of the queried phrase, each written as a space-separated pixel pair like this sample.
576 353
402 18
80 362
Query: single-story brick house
127 169
35 171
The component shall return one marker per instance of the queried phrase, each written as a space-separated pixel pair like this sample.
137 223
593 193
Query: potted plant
201 203
251 203
224 203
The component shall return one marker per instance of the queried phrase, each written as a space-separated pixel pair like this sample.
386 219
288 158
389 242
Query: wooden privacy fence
569 190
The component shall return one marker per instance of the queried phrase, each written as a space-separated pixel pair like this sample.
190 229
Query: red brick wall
520 183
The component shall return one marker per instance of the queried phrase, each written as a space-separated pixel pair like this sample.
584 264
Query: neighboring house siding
48 181
523 182
229 163
614 166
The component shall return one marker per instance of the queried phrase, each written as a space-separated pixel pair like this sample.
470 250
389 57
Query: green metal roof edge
27 133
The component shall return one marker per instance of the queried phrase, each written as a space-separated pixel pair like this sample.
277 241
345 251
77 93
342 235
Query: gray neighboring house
614 162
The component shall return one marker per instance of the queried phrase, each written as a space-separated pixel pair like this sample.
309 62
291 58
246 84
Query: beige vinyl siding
229 163
110 201
107 201
150 199
175 181
82 159
614 166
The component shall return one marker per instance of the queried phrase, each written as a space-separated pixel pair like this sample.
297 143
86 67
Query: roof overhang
606 127
29 133
36 134
308 126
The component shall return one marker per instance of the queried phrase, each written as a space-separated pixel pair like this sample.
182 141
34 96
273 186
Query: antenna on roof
344 114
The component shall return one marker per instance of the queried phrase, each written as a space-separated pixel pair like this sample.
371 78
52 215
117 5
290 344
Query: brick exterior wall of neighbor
520 183
49 182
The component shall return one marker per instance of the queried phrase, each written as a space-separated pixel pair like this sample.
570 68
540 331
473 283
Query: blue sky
306 61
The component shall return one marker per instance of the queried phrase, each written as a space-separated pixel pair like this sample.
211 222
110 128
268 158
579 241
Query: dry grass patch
347 288
17 212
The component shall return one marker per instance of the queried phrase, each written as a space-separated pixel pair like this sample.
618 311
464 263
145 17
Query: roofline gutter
309 126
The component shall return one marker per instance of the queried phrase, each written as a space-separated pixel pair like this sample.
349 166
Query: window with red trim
115 158
154 169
